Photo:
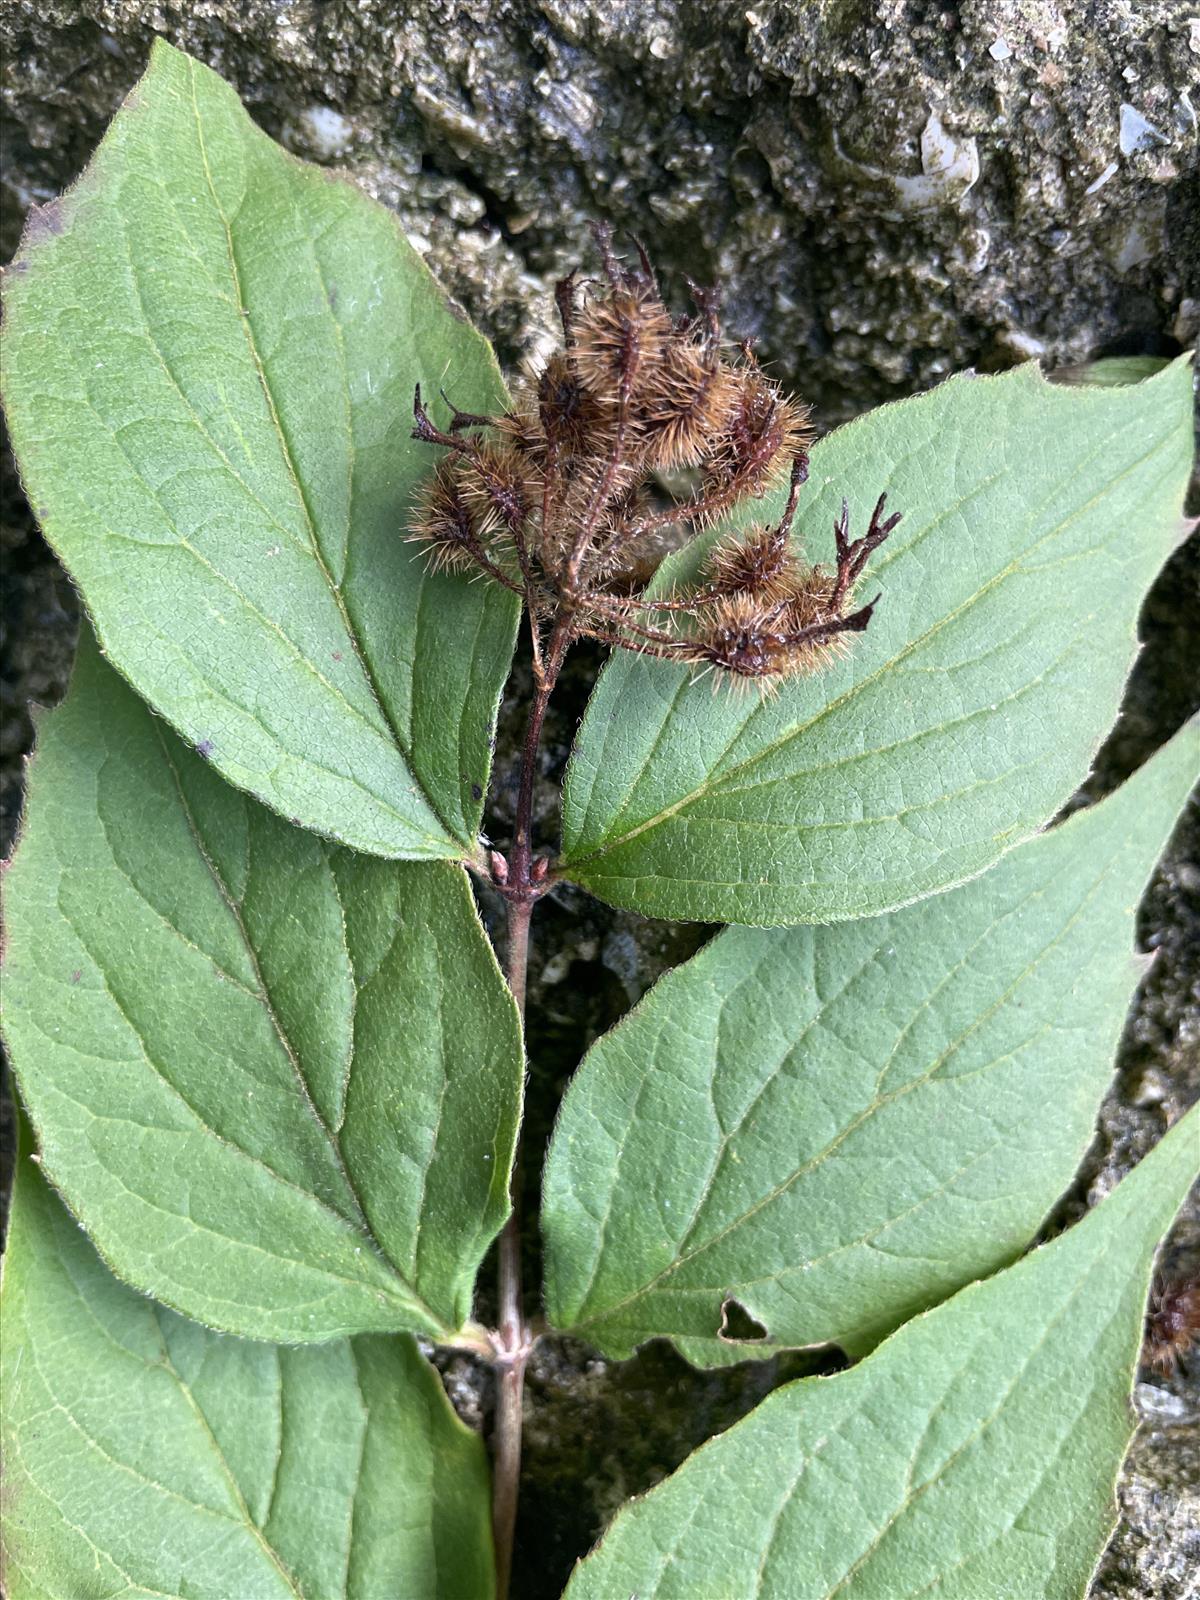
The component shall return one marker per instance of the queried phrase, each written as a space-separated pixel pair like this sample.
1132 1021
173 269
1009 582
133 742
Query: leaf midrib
331 1137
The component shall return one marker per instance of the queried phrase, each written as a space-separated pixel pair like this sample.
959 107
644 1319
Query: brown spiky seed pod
684 404
444 521
572 417
556 419
764 434
808 596
787 632
741 634
497 484
619 336
759 561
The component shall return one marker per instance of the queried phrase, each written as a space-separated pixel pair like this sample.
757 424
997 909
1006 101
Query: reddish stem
522 880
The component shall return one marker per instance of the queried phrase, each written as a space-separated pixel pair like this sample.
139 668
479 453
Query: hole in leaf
737 1325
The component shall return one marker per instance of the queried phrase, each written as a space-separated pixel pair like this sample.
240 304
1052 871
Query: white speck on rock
1025 345
1098 183
1001 50
328 131
1155 1402
949 168
1138 132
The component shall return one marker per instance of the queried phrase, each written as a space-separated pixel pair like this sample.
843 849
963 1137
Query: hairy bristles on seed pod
1172 1323
619 334
444 522
748 636
559 499
684 404
620 337
498 482
760 560
764 433
555 414
465 517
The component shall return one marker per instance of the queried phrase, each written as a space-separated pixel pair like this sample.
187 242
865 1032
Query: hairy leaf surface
210 358
1035 517
147 1456
278 1082
840 1126
974 1454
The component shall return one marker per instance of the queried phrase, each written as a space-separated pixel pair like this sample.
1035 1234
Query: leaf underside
840 1126
974 1454
210 356
1035 517
146 1456
278 1082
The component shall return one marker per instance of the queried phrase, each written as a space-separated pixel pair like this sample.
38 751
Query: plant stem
522 882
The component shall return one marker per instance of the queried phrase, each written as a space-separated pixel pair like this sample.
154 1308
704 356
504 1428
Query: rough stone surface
888 192
888 195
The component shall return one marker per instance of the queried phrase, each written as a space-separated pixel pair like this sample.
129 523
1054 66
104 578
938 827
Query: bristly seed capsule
556 498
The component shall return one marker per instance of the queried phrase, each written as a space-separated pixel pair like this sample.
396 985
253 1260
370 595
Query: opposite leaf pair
974 1452
218 448
281 1081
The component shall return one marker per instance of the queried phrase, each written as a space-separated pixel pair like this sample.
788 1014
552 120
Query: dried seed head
808 594
685 403
496 482
619 336
445 522
759 561
764 434
556 418
557 499
572 417
786 629
740 634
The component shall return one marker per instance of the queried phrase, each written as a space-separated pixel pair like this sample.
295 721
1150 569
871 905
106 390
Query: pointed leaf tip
207 376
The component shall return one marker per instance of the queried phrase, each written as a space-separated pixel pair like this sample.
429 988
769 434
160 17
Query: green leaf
210 358
972 1457
1034 519
146 1456
859 1118
278 1082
